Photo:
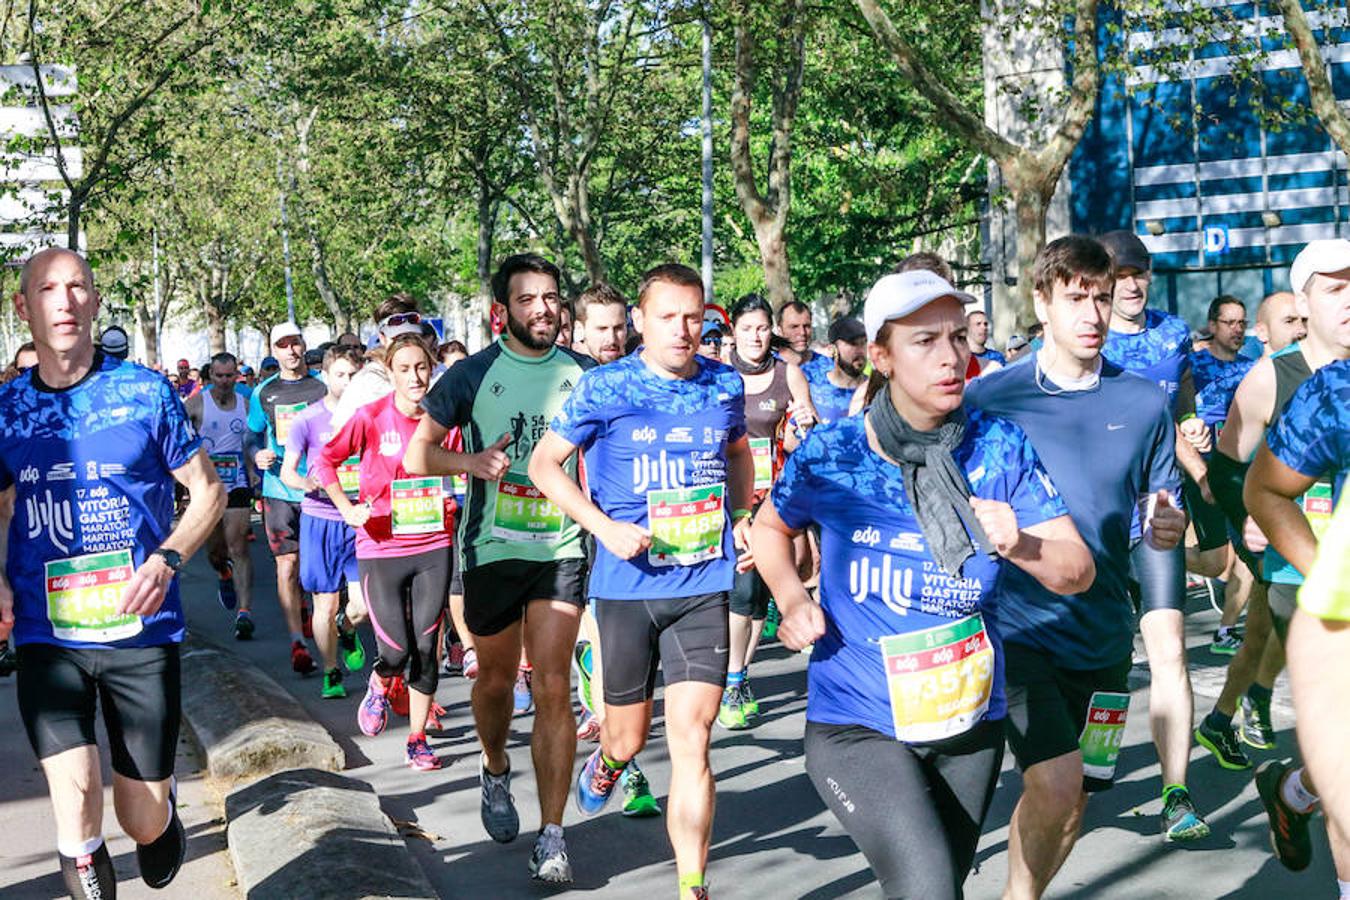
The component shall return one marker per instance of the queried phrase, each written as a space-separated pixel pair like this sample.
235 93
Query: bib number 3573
940 679
82 596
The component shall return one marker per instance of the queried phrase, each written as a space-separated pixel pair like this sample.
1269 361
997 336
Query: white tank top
223 438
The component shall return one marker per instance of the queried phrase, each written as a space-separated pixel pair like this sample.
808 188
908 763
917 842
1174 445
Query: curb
246 723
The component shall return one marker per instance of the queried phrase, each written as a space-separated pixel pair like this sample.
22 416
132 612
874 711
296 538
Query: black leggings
405 596
914 810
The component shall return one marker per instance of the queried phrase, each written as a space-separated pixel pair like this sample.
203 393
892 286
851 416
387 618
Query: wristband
738 514
1186 418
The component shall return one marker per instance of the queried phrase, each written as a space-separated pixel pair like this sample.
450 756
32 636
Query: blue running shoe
524 696
225 592
595 785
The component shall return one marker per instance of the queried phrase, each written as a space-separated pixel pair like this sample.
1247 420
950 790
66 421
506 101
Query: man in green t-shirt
517 550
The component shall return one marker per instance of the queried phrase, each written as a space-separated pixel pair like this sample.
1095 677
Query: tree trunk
487 232
773 257
73 212
145 321
212 293
583 231
342 319
1029 208
1320 93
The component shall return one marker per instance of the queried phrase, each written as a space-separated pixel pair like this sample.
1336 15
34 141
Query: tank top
765 412
223 439
1291 370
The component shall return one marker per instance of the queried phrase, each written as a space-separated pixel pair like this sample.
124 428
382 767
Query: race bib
940 679
82 596
761 451
417 505
686 525
1103 733
459 484
227 468
349 476
524 514
1317 508
285 416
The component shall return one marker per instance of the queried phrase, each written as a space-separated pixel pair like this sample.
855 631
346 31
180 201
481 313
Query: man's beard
521 332
852 370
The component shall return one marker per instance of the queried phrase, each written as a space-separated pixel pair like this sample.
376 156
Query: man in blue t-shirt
977 336
794 326
670 476
90 449
1068 657
832 393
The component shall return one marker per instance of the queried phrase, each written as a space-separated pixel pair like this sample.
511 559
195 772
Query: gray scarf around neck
936 486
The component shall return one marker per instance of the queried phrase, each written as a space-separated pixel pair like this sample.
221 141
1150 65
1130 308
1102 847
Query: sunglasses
711 342
407 318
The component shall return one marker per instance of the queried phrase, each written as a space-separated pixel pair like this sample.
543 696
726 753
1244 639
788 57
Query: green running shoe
332 685
638 802
1224 744
771 620
731 715
581 662
353 654
748 701
1180 821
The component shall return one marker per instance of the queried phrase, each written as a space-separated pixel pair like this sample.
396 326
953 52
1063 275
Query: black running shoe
1224 744
1288 829
161 858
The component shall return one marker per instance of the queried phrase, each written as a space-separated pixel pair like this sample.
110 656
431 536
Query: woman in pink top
403 531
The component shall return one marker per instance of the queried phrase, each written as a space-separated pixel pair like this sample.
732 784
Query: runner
794 324
1217 371
916 491
662 430
187 385
776 394
402 543
1156 345
90 450
524 567
1068 655
567 317
327 544
604 323
977 331
832 394
272 410
1260 395
221 418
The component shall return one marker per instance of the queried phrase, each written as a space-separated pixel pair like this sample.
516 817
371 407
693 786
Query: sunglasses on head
407 318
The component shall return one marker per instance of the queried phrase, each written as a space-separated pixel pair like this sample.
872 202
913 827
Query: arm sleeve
174 435
582 417
349 441
792 496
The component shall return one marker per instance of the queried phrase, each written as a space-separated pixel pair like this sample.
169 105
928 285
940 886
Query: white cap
1319 258
897 295
285 330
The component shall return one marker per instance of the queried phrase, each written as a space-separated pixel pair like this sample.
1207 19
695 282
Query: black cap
1127 250
846 329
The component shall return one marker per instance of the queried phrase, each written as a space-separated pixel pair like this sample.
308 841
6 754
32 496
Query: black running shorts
686 636
139 689
496 593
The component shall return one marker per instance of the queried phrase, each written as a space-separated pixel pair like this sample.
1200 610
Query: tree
1321 95
1030 170
768 210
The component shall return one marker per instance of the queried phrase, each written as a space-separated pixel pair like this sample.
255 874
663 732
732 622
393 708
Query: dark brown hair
669 273
1072 258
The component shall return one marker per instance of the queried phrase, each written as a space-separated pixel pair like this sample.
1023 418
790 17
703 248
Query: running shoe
548 860
161 859
307 621
1288 828
498 807
748 701
638 802
1254 726
398 696
454 659
353 653
1226 643
434 717
332 685
524 696
420 756
470 663
225 592
1224 744
700 892
582 663
595 785
1180 821
771 620
731 714
373 714
589 729
301 662
243 626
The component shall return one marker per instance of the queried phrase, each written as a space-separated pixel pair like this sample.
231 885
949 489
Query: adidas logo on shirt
565 386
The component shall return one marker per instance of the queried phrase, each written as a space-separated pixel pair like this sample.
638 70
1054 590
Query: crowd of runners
965 540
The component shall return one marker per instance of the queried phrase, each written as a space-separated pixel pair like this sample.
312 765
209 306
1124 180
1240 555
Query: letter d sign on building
1216 239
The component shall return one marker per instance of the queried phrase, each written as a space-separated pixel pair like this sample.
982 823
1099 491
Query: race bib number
349 476
524 514
1103 733
686 525
82 596
1317 508
761 451
285 416
417 505
459 484
227 468
940 679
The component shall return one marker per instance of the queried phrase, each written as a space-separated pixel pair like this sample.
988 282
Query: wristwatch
172 558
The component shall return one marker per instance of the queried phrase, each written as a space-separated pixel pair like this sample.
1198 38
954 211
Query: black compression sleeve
1226 476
